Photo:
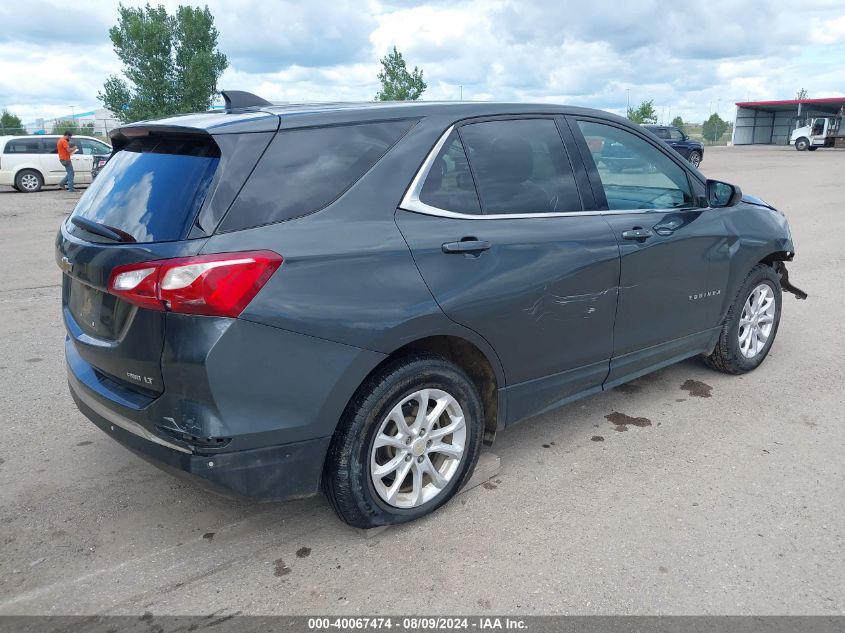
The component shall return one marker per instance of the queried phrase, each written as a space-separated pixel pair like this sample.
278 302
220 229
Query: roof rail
237 99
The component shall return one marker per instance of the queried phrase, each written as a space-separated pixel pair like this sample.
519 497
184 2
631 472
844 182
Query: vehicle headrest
511 160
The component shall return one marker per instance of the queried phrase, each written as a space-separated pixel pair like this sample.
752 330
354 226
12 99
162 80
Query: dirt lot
731 501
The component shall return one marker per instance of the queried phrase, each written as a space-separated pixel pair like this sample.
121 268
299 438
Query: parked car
98 162
692 150
279 298
28 163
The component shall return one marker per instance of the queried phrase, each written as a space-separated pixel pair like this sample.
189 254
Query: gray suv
356 297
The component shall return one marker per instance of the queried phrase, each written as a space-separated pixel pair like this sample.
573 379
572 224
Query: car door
678 141
495 224
83 160
52 168
674 250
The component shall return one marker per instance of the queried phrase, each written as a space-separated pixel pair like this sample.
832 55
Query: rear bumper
247 407
279 472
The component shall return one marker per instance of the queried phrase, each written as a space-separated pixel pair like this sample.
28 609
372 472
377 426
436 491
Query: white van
27 163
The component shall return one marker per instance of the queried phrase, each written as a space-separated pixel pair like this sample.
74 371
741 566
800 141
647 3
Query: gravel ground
731 501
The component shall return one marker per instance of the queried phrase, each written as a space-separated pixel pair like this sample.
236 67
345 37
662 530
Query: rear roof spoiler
239 99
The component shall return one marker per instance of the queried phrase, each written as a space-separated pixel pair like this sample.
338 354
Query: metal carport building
771 122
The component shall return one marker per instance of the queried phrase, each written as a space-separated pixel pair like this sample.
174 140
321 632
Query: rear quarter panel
12 165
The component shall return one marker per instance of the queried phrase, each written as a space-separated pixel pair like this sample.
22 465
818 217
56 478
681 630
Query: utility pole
462 92
628 91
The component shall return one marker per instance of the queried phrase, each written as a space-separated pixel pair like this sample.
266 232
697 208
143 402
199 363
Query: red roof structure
778 104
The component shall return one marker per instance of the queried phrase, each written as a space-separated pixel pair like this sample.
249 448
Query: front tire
695 158
749 330
407 442
802 143
28 181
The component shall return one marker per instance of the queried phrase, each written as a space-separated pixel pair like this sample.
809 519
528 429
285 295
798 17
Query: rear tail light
214 285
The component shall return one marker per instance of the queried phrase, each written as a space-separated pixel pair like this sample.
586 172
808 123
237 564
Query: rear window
305 170
23 146
152 188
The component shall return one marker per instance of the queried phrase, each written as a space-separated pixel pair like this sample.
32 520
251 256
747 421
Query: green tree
397 84
678 122
11 124
713 128
802 94
645 113
76 127
171 62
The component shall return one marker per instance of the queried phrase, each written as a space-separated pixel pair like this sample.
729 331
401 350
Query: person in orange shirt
65 151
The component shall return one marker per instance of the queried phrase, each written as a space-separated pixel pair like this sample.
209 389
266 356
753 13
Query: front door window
634 173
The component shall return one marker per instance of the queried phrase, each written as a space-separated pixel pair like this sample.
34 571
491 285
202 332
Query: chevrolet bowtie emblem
65 265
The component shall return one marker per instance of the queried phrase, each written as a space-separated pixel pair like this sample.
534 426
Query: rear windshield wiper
103 230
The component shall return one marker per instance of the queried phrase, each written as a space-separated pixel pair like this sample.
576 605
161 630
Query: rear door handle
466 245
637 233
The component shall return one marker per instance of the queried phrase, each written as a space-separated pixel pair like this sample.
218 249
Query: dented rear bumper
286 471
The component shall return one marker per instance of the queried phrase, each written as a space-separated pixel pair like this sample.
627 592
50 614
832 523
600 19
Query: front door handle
668 226
637 233
466 245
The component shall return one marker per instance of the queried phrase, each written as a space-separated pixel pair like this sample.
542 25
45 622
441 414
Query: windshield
152 188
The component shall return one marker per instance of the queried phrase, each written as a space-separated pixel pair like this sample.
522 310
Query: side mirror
722 194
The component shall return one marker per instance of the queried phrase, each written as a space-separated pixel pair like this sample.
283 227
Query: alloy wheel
757 320
418 448
29 182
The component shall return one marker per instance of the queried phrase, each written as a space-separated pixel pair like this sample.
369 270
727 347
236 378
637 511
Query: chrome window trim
411 201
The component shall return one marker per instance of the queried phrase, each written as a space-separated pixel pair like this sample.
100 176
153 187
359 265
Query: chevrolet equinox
356 297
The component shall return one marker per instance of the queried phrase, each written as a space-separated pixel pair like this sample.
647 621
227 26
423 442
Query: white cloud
689 57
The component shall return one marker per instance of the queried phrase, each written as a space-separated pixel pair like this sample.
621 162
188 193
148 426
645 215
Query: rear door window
520 166
305 170
152 188
449 184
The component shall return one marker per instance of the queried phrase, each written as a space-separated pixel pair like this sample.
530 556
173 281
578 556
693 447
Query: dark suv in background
356 296
692 150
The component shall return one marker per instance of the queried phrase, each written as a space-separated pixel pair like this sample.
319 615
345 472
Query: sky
692 57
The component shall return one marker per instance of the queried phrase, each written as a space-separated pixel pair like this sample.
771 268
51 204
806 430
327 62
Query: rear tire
29 181
811 148
749 330
802 143
378 470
